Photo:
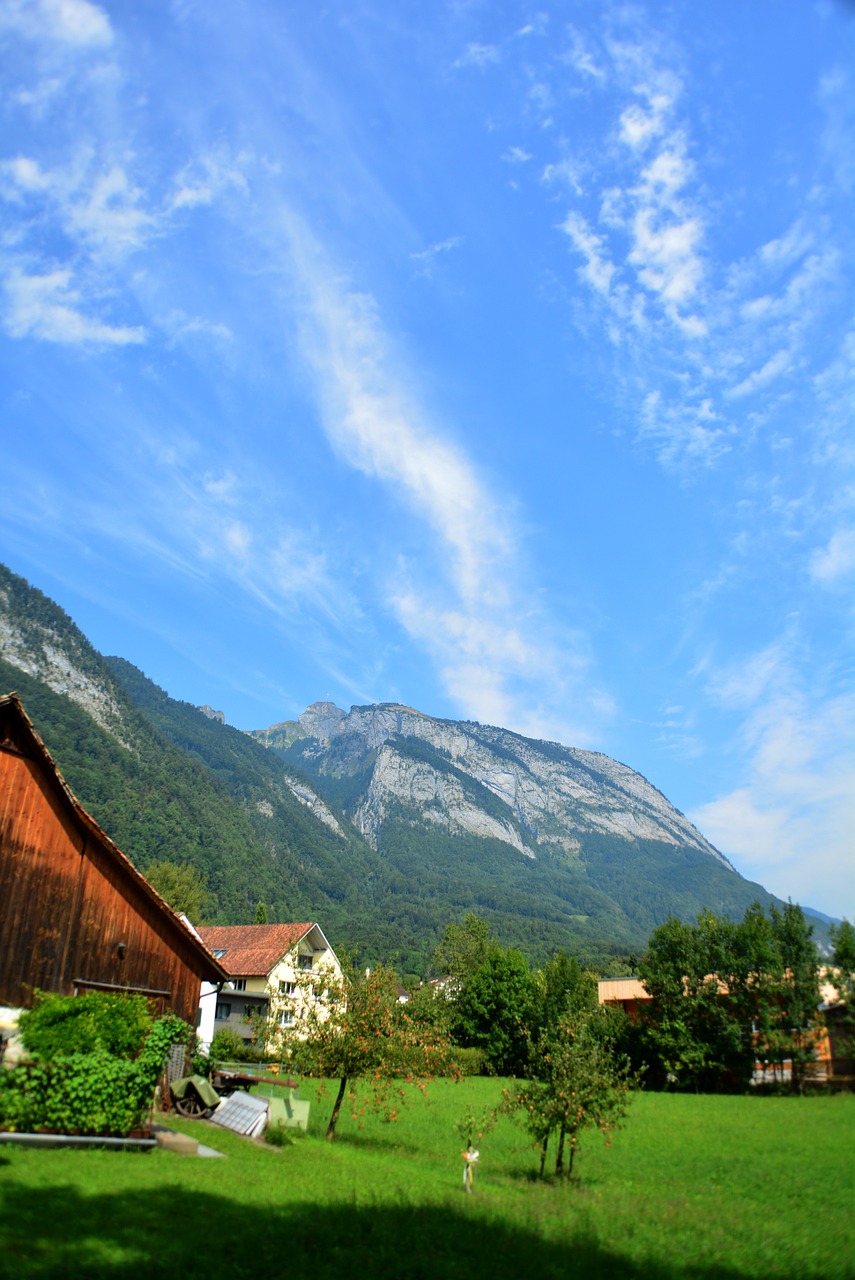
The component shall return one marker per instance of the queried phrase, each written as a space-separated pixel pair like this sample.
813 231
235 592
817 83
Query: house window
219 952
239 984
304 963
222 1012
286 1018
287 988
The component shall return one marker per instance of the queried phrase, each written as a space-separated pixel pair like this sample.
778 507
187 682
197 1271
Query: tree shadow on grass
193 1235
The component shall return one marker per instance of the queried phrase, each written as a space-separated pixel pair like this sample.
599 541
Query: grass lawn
692 1187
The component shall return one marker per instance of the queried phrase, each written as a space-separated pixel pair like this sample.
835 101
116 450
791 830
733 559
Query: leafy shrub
201 1063
114 1021
227 1046
93 1093
467 1062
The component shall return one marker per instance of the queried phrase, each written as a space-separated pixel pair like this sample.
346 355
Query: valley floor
693 1187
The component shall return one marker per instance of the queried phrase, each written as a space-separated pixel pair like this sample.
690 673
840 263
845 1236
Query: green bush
113 1021
95 1093
468 1062
227 1046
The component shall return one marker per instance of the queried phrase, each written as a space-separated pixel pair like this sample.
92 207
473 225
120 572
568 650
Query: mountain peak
322 720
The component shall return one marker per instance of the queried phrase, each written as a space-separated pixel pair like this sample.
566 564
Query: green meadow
692 1186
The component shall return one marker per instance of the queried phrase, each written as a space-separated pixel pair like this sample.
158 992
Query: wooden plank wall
67 903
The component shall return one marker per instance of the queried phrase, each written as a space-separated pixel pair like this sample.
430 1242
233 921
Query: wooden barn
75 914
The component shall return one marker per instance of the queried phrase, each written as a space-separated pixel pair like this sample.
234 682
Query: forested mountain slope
168 784
382 823
569 846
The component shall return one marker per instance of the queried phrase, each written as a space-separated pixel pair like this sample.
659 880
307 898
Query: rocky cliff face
438 795
489 782
57 656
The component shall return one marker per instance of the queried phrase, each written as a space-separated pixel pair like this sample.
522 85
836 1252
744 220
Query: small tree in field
357 1031
577 1083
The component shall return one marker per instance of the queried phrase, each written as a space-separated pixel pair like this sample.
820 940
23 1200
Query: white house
270 968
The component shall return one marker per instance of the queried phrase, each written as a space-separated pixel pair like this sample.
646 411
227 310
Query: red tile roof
251 950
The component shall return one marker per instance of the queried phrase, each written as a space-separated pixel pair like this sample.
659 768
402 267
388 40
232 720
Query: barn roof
252 950
18 735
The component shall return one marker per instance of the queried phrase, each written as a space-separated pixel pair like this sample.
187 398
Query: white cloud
47 307
661 227
426 258
790 824
538 26
76 23
238 538
598 271
692 328
97 206
105 216
685 432
580 57
24 176
181 327
110 218
470 614
745 683
375 423
38 97
201 181
223 486
516 155
773 368
666 237
786 249
478 55
836 561
666 256
638 124
299 571
565 171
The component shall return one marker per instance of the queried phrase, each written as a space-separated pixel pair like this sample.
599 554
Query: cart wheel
192 1107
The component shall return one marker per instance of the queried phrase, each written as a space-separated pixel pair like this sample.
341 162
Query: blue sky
490 358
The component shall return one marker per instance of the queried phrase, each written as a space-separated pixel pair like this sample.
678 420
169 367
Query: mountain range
381 822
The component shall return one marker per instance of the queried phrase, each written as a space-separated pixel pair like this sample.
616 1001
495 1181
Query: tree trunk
559 1159
334 1117
544 1145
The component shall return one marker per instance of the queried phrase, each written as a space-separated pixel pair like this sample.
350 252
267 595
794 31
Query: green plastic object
203 1088
285 1107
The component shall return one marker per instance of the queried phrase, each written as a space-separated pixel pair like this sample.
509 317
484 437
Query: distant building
273 970
76 914
629 993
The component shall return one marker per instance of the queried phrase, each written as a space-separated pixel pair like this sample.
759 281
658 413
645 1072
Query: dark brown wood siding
72 913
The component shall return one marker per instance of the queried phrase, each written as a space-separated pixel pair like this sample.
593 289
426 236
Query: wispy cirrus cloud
101 216
581 57
516 155
834 564
599 270
478 55
96 205
790 825
650 230
207 176
77 23
694 328
426 259
469 612
49 307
